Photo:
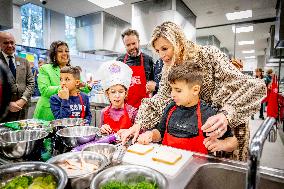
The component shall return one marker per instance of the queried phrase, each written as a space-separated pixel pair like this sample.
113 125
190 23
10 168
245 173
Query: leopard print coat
224 86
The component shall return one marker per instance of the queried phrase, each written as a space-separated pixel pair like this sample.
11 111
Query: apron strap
83 108
141 59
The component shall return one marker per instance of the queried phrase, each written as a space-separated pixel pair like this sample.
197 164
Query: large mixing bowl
74 136
102 148
18 144
129 173
34 169
81 181
67 122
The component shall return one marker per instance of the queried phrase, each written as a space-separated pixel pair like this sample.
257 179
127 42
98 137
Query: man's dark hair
129 32
189 71
71 70
53 52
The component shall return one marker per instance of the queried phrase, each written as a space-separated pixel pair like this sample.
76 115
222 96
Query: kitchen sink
226 176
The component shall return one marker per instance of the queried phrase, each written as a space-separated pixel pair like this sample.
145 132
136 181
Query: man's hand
21 102
64 93
14 107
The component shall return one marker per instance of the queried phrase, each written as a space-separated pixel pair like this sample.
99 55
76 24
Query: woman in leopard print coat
236 95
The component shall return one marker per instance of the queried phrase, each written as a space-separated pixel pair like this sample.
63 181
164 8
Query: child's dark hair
75 71
189 71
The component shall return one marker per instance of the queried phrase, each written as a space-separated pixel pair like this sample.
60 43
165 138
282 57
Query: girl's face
165 50
116 95
62 55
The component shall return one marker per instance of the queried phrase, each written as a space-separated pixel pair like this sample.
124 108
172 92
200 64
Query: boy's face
184 94
116 95
68 80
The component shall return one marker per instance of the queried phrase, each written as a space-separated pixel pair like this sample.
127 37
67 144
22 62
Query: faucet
255 151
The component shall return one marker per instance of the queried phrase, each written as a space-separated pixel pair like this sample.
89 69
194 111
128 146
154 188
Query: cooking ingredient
47 182
28 182
75 167
140 149
123 185
20 182
167 157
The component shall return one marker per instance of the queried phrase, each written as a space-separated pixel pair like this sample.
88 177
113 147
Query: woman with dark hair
49 78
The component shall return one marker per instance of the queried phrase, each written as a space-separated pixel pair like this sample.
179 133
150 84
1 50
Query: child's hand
213 144
64 93
106 129
145 138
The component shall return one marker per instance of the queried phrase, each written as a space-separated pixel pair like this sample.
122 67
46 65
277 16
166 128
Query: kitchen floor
273 153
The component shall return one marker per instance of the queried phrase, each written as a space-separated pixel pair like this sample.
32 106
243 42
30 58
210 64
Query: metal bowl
27 124
67 122
18 144
74 136
9 171
128 173
102 148
81 181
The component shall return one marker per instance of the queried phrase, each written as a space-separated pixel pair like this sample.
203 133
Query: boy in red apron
116 79
70 102
181 123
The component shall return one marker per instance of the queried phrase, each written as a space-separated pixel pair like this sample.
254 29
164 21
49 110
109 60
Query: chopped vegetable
28 182
139 184
21 182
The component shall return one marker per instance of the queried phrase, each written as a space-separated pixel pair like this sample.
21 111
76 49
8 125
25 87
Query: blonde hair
183 49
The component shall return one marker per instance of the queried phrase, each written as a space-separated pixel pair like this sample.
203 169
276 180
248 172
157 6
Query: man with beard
142 83
20 78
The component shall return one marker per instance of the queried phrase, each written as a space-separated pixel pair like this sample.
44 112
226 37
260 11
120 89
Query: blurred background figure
41 62
259 75
268 77
4 88
35 75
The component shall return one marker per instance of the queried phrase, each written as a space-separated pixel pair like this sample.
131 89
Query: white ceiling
208 12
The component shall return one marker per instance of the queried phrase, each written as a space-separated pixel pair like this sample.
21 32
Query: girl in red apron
116 78
181 123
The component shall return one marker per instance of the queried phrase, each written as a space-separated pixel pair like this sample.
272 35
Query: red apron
137 89
124 121
82 115
194 144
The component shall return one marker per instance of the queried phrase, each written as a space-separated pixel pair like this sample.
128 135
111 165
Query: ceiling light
247 52
249 57
106 3
246 42
242 29
239 15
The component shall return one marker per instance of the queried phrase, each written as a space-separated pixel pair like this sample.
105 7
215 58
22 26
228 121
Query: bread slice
167 157
140 149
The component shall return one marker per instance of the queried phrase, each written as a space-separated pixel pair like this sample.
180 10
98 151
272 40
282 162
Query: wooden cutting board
146 160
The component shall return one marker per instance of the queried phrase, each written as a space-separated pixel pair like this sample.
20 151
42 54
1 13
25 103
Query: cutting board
146 160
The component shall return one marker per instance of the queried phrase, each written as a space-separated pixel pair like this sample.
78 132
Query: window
70 34
32 25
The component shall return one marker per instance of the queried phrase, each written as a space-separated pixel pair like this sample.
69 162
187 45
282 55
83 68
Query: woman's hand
145 138
215 126
125 134
106 129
